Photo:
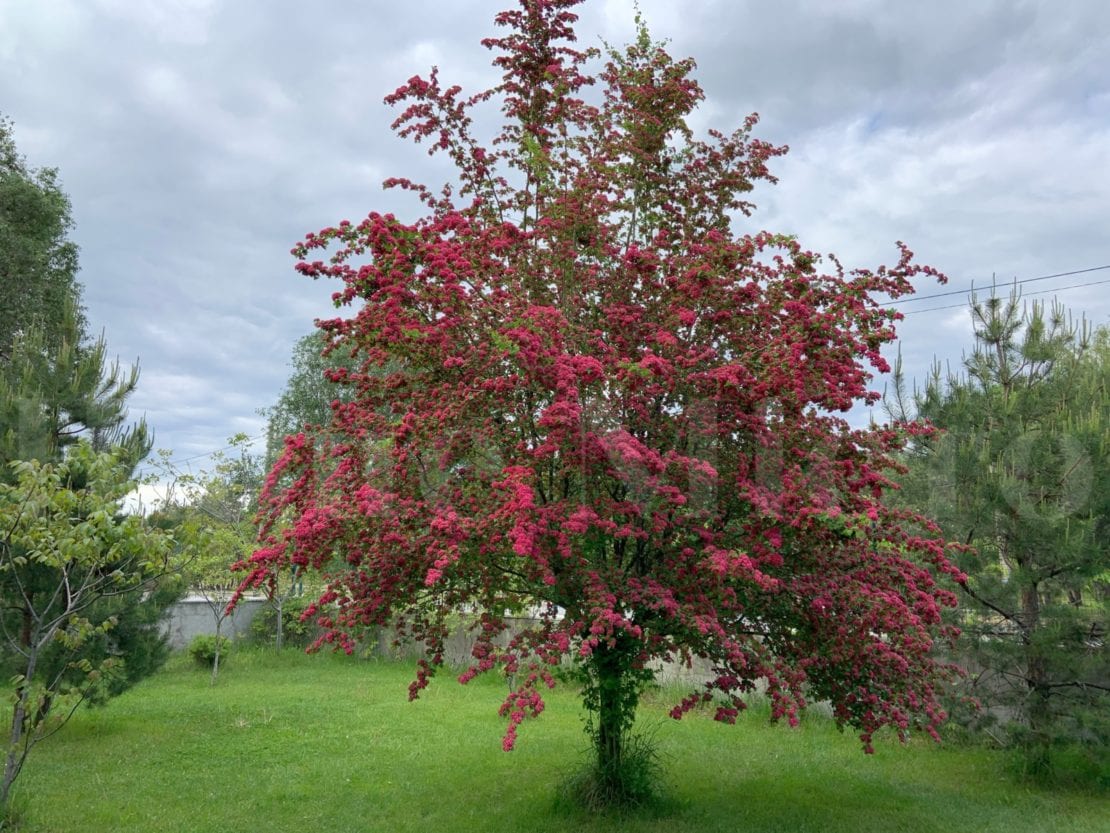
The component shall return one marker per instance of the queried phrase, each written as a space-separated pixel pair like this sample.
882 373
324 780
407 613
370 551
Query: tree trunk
17 740
614 705
28 622
1036 670
13 761
216 656
280 637
610 715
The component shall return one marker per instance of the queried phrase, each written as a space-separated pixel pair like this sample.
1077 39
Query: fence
193 615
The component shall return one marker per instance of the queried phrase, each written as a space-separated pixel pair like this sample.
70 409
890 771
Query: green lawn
323 743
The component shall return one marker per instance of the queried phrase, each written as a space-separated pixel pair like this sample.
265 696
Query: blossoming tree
580 386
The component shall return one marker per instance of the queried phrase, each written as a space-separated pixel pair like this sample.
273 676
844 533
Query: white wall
193 615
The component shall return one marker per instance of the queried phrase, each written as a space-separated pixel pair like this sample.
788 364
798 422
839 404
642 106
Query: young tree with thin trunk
211 514
581 386
70 563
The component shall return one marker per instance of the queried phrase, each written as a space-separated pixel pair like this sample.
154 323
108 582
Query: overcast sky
199 139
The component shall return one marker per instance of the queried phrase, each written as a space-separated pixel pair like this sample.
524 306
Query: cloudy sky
199 139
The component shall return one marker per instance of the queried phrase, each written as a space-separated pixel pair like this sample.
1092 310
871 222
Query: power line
250 442
1040 292
1011 283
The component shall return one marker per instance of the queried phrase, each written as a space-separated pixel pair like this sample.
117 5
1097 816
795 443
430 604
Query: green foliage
295 632
212 513
205 648
84 590
55 384
56 388
623 770
306 400
38 263
1062 765
82 587
632 781
136 638
1021 473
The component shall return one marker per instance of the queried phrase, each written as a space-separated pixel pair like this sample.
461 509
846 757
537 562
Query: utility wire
1039 292
1011 283
250 442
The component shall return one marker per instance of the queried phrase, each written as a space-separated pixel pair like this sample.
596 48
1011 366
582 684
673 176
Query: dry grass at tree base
293 743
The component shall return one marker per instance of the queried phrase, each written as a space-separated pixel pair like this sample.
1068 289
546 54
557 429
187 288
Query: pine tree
57 387
1020 472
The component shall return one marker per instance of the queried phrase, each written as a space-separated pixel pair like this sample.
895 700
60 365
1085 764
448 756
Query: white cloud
168 21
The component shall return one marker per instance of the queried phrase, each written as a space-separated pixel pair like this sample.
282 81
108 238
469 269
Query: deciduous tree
73 571
308 395
211 515
583 385
38 261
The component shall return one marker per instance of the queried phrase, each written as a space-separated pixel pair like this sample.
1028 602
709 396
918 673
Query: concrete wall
193 616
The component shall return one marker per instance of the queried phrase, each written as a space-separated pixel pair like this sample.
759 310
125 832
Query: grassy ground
296 743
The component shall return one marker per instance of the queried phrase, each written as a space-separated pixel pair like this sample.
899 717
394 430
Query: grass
294 743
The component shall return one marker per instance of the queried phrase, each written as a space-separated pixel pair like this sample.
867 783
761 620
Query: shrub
203 649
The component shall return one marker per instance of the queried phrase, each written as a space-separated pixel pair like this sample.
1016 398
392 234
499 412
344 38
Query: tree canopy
581 386
56 384
38 261
306 400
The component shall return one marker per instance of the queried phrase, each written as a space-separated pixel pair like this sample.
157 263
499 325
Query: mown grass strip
293 743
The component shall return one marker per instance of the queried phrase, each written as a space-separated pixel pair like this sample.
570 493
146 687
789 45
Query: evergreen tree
56 387
55 383
1020 472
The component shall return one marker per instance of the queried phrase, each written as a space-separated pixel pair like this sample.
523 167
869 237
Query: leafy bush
203 649
294 631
